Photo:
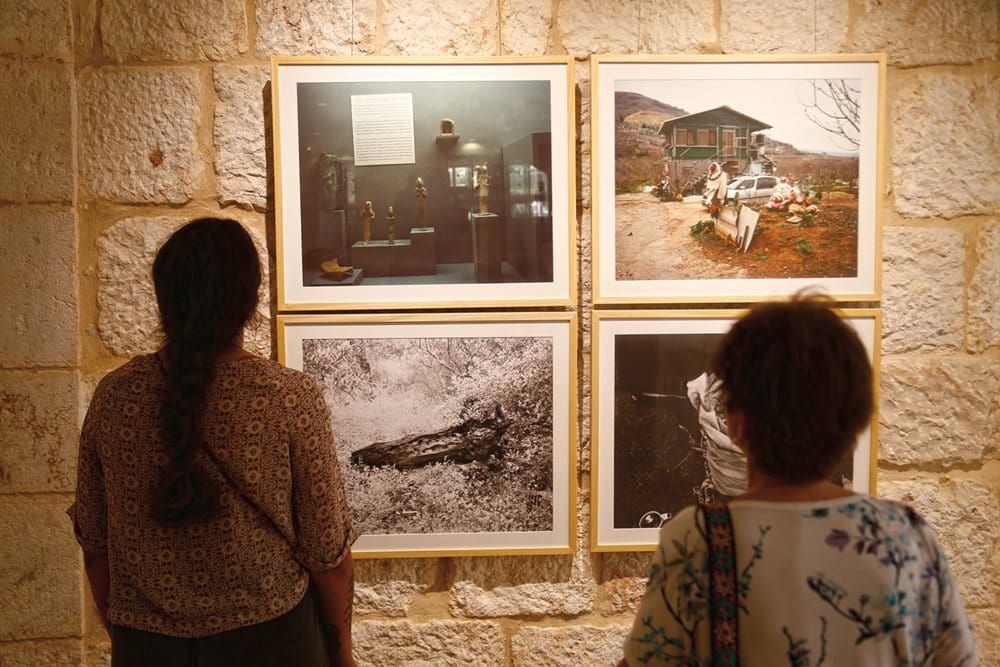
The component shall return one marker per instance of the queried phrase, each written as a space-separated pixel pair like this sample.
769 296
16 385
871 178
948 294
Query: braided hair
206 277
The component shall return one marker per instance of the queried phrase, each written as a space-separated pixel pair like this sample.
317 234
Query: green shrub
702 227
803 247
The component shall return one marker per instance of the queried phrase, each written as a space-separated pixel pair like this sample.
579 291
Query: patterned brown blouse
270 429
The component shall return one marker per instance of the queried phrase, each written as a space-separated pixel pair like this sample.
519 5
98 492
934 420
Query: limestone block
389 587
984 290
128 321
139 134
61 653
438 643
579 645
36 29
36 131
965 514
598 26
620 595
914 33
315 27
38 286
173 30
944 127
923 278
39 430
939 409
441 27
524 26
797 26
242 121
40 570
677 26
986 625
509 586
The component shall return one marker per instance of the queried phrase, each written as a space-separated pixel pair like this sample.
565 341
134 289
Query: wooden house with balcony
722 135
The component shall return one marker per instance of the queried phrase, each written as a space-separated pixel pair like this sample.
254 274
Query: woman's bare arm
99 576
336 592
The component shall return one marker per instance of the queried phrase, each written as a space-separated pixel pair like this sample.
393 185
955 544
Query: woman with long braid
209 501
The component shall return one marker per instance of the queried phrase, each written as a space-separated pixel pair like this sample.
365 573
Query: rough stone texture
914 33
40 570
38 286
620 596
36 29
579 645
510 586
64 653
422 27
598 26
139 134
99 655
36 132
677 26
939 409
315 27
173 30
797 26
965 514
438 643
923 278
389 587
128 320
986 624
984 290
943 125
39 430
241 125
524 26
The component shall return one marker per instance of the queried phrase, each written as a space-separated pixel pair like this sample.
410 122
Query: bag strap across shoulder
723 601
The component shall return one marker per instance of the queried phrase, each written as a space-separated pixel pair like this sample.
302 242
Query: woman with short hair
817 574
209 502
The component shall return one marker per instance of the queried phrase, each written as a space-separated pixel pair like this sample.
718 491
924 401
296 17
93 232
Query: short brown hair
800 378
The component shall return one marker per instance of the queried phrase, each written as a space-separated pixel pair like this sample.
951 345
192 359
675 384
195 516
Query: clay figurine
481 182
367 216
421 194
334 270
390 223
447 126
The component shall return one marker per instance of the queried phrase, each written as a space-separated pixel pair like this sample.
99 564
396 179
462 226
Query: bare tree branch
834 107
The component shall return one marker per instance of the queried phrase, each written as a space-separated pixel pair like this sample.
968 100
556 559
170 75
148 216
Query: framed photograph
736 178
423 183
658 441
455 433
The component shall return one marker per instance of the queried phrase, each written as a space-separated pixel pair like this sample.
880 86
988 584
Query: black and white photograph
445 181
663 441
747 176
447 434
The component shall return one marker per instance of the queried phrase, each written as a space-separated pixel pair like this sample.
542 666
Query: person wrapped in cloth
725 463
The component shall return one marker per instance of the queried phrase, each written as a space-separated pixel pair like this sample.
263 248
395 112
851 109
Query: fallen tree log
472 440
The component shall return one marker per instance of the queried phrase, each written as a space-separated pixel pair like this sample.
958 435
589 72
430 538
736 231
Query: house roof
754 123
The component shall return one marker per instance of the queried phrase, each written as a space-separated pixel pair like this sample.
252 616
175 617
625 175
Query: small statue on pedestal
481 183
421 194
390 223
447 126
367 216
334 182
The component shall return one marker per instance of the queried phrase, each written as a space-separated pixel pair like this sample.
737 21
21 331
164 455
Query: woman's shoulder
268 375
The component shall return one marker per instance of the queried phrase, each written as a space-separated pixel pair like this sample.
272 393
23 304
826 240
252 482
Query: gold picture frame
349 130
658 122
499 386
629 504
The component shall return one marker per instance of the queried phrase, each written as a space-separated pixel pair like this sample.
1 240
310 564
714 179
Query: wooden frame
614 527
525 256
408 374
643 247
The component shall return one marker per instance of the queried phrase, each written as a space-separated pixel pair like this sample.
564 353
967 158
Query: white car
751 188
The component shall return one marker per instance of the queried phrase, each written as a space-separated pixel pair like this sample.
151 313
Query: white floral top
851 581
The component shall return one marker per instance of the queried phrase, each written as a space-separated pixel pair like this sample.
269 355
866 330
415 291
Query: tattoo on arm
349 606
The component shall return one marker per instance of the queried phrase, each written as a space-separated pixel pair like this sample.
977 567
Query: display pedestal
424 255
320 278
332 234
379 259
486 246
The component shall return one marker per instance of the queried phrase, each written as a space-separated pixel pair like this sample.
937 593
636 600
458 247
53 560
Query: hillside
628 104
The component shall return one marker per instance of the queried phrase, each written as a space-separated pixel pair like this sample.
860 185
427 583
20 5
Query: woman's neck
761 486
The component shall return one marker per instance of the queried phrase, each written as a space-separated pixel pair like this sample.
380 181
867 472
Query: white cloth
726 464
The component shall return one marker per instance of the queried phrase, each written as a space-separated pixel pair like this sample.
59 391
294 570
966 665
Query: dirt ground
654 242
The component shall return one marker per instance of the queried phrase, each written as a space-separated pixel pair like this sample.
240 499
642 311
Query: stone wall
121 118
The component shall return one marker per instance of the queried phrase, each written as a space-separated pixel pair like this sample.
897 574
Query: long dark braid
206 277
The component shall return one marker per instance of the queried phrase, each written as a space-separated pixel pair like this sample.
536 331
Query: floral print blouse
850 581
282 506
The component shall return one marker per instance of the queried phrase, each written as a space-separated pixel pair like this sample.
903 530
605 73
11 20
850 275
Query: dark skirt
295 639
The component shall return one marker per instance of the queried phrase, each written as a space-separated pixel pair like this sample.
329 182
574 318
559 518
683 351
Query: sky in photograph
779 103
